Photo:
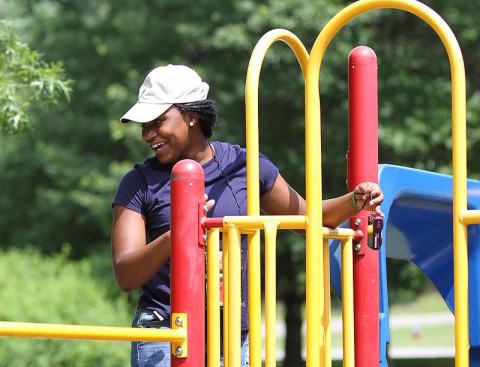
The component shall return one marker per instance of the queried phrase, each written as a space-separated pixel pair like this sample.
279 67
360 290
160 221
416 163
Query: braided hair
205 111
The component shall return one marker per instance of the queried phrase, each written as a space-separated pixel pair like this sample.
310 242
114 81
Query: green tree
25 80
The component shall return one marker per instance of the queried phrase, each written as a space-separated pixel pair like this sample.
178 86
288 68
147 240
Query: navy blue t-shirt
146 190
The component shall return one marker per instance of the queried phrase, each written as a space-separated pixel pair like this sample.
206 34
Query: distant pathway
409 321
396 321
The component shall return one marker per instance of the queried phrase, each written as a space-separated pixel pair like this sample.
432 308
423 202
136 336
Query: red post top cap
362 55
187 169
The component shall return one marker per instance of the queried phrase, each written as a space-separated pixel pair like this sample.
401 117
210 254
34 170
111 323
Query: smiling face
174 136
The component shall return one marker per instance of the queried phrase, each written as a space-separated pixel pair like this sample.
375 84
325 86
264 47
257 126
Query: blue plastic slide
418 228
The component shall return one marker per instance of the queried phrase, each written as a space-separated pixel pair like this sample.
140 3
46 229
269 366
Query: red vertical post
187 258
362 162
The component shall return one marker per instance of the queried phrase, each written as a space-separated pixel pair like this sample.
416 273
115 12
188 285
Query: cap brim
144 112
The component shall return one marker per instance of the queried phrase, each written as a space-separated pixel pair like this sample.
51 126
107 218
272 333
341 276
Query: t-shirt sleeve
268 174
131 192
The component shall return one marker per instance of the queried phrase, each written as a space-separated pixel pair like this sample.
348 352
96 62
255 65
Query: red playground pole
187 261
362 162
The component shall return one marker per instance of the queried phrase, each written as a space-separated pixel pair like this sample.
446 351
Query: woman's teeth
157 146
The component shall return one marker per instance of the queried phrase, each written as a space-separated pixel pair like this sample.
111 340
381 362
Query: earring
191 123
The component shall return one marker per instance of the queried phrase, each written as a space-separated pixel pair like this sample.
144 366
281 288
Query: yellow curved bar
253 200
251 104
458 155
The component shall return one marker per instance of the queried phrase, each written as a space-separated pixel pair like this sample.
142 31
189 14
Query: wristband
354 201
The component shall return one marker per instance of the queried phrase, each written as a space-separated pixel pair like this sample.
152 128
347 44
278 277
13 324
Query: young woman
177 121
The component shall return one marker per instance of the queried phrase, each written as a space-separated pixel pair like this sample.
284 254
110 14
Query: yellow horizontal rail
63 331
258 221
338 233
284 222
470 216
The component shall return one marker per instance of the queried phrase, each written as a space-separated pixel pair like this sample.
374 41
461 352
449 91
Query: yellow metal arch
458 138
252 145
315 254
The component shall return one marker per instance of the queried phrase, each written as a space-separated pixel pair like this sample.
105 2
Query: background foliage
58 180
26 79
56 290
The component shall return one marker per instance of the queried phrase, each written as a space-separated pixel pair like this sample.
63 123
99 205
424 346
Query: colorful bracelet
354 201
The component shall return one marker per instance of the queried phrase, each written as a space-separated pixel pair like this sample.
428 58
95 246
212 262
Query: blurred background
71 68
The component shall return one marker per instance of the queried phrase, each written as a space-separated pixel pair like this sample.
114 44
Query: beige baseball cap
163 87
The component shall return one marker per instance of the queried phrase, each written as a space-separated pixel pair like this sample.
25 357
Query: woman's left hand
369 196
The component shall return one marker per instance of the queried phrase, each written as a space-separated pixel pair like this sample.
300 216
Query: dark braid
205 111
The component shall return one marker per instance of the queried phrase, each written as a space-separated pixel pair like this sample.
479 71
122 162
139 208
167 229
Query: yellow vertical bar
226 290
314 231
270 294
327 314
347 304
255 299
460 233
234 297
213 299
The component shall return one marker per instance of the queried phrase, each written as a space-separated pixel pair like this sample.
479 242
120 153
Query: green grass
428 302
401 336
433 362
430 335
439 336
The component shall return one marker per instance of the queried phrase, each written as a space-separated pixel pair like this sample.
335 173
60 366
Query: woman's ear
193 120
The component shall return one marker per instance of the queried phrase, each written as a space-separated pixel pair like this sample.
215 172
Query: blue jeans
157 354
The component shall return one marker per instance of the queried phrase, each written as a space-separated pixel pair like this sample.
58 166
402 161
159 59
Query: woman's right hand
135 262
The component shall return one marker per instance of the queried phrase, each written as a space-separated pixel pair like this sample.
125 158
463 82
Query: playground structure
406 192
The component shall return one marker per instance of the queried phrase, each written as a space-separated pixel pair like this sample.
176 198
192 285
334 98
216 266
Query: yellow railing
61 331
233 227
